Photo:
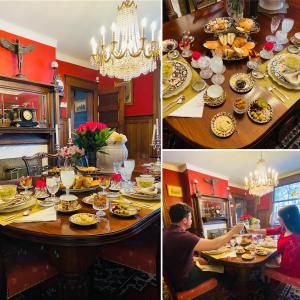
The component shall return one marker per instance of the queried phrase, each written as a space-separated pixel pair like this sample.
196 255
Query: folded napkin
210 268
226 254
192 109
293 78
44 215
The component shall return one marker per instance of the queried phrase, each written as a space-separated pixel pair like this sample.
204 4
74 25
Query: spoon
178 100
27 212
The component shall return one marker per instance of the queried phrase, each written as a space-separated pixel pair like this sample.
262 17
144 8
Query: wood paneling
139 133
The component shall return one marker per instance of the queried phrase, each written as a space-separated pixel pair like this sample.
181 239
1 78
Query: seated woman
179 246
289 240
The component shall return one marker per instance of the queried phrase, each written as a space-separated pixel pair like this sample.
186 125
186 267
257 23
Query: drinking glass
117 166
254 239
129 165
52 186
101 206
232 243
260 240
204 62
274 26
104 183
26 183
126 179
287 25
238 240
67 176
217 67
281 37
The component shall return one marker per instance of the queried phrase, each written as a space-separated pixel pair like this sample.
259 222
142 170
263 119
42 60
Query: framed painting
128 91
174 191
80 105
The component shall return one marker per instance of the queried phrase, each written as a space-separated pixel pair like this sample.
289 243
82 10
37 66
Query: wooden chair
21 269
169 12
34 164
282 278
201 289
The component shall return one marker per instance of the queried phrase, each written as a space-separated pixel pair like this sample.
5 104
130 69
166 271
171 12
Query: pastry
87 181
78 182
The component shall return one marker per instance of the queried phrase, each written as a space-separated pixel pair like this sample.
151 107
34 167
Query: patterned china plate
59 208
244 77
223 124
28 203
255 28
209 27
84 219
132 211
268 112
213 102
180 79
168 45
141 196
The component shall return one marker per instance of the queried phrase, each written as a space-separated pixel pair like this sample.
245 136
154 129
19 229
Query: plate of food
169 45
54 170
88 170
60 208
240 251
124 210
223 124
285 70
20 202
89 200
240 105
247 256
250 247
261 252
231 46
246 25
218 25
149 193
214 96
241 82
177 76
260 111
216 251
245 241
83 184
84 219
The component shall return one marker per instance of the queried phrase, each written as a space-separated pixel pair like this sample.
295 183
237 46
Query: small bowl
240 110
145 182
199 85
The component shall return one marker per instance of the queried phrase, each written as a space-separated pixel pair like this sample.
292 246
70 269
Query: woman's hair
178 212
291 218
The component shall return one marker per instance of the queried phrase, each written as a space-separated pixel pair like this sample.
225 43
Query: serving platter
238 25
180 79
223 119
218 25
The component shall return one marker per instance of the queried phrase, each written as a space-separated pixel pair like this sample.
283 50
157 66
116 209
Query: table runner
189 93
294 95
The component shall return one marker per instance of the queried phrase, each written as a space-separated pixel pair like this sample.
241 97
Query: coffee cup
215 91
68 202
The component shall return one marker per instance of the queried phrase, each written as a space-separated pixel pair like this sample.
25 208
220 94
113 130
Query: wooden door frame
83 84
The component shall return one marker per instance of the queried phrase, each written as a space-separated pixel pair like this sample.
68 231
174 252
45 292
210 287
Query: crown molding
74 60
27 33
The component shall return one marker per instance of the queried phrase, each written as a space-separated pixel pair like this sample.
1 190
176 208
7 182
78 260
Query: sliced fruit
239 51
212 45
230 38
249 45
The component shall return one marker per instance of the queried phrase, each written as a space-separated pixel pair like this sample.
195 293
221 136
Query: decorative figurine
19 50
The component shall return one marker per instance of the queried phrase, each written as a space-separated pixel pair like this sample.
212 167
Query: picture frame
128 100
174 191
80 106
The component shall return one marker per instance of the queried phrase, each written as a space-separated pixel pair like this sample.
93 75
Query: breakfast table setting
73 212
228 82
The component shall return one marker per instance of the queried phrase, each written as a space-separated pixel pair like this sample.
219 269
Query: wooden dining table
73 249
196 132
241 268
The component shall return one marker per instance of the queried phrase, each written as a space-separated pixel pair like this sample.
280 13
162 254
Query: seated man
179 246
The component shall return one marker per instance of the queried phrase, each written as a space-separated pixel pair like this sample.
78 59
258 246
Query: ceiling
71 23
234 165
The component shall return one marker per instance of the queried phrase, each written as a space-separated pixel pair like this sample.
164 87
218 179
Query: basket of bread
82 184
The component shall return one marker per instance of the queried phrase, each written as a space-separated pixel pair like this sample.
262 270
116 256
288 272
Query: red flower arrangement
268 46
116 177
196 55
91 126
40 184
245 217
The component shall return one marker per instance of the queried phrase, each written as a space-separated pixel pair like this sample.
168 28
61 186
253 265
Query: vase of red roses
92 137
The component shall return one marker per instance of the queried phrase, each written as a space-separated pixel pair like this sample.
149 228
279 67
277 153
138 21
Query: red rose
269 46
196 55
116 177
40 184
81 128
101 126
91 126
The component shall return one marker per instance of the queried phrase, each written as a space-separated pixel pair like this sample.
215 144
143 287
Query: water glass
67 176
104 183
217 67
232 243
117 166
238 240
274 26
53 187
129 165
287 25
281 37
204 62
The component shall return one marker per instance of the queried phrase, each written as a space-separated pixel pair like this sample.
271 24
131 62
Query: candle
94 46
113 30
2 107
153 133
157 127
56 134
143 23
102 30
153 27
69 125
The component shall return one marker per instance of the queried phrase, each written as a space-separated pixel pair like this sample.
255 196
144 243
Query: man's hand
237 228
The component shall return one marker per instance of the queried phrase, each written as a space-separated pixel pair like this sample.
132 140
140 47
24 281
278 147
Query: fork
178 100
280 92
270 89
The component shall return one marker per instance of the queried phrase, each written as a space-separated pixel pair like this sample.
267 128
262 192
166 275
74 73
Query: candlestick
56 134
153 134
143 23
102 30
69 127
157 126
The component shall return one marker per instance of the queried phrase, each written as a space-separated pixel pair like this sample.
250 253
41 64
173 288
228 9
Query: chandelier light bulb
102 31
153 27
94 46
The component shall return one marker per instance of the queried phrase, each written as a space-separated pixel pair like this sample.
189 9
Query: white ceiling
71 23
234 165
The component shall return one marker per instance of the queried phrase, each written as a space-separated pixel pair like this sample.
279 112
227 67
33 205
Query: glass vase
235 8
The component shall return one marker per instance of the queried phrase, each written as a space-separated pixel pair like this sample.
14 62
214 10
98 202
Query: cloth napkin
44 215
210 268
192 109
293 78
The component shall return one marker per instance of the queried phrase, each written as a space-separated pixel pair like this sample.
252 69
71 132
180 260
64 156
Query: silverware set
279 94
14 217
178 100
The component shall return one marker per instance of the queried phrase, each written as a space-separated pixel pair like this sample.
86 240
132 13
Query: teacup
215 91
145 181
68 202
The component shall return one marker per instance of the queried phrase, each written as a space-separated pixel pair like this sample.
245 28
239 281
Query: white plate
141 196
132 212
29 203
59 208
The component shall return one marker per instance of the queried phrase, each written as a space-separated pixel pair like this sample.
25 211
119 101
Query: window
285 195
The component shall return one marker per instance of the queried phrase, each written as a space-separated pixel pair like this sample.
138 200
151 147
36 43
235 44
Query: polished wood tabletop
197 131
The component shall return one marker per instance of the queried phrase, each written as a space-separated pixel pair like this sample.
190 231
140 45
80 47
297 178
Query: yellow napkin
189 93
153 205
227 253
293 95
9 218
210 268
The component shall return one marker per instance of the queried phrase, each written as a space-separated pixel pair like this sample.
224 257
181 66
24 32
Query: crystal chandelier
262 181
130 53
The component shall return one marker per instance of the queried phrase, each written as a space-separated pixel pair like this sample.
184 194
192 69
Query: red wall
36 64
37 67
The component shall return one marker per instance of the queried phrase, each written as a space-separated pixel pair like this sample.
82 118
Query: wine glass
52 186
129 165
281 37
104 183
287 25
100 204
238 240
260 240
117 166
26 183
126 178
67 176
217 67
232 243
274 26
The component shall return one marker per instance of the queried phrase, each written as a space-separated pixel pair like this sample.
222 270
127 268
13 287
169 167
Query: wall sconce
97 79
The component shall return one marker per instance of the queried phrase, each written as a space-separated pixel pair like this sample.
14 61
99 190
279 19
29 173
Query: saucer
59 208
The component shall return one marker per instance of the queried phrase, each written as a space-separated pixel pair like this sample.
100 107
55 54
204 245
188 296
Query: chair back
171 290
34 165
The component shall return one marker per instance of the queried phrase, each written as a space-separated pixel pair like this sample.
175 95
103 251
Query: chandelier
130 53
262 181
